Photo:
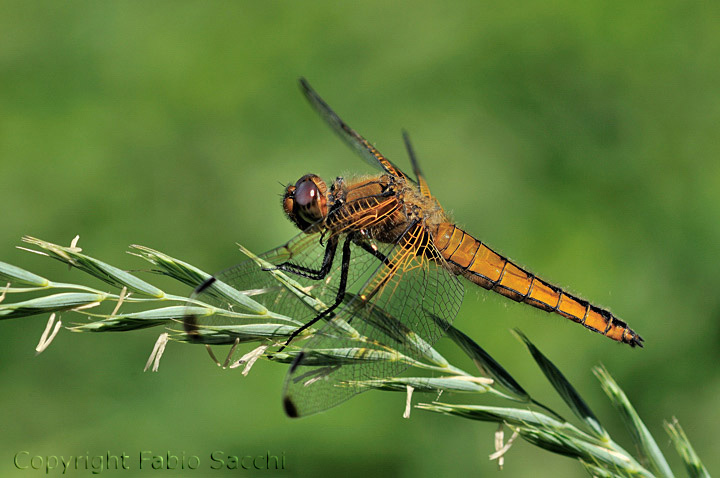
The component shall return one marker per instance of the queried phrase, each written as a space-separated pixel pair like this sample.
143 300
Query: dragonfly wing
252 301
399 313
422 182
245 295
359 144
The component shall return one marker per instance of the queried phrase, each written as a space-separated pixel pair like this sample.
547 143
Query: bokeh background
579 138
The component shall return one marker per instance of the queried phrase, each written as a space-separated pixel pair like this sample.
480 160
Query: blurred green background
580 139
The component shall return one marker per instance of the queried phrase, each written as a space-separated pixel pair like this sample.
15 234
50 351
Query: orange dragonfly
395 285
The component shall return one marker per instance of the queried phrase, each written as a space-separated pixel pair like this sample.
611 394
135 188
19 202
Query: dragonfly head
305 203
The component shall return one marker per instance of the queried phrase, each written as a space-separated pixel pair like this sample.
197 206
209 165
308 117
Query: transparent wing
251 302
422 182
359 144
399 312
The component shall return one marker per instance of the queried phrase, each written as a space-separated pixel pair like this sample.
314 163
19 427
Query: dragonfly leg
373 251
342 285
310 273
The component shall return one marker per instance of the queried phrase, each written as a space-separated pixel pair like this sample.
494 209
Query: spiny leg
344 267
308 272
373 251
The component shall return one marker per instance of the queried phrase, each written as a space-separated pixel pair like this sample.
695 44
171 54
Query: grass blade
692 462
175 268
16 275
50 303
240 333
640 434
427 384
586 452
511 416
103 271
487 364
565 389
133 320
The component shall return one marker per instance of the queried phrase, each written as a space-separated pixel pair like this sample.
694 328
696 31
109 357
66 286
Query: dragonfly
378 263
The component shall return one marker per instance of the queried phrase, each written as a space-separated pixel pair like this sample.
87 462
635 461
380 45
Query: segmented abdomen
483 266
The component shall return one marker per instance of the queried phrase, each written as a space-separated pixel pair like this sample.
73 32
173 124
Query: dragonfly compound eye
306 202
306 194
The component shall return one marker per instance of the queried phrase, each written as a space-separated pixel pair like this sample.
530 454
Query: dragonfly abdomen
483 266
